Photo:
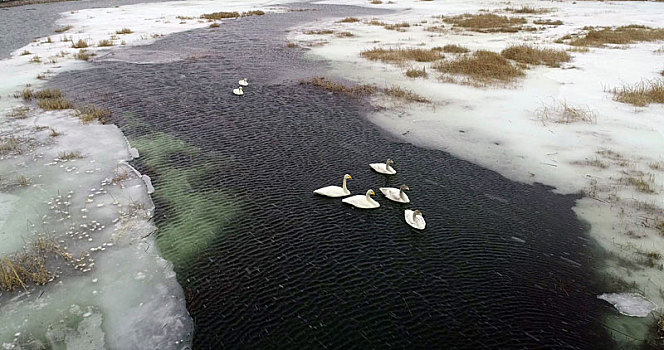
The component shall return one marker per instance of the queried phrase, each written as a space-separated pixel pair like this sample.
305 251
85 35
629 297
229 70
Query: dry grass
417 73
452 49
401 55
64 29
54 133
291 45
397 26
548 22
105 42
29 266
620 35
486 22
253 13
404 94
527 10
533 55
376 2
579 49
79 44
84 55
35 59
563 113
10 145
214 25
23 181
220 15
124 31
641 184
91 113
28 94
349 20
55 103
344 34
356 91
25 53
19 112
482 67
641 94
70 155
319 32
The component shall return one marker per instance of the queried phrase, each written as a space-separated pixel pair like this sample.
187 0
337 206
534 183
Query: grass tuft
563 113
527 10
105 42
64 29
220 15
641 94
319 32
349 20
91 113
214 25
533 55
25 53
620 36
124 31
55 103
453 49
417 73
79 44
482 67
401 55
35 59
70 155
29 266
486 22
548 22
404 94
356 91
19 112
84 55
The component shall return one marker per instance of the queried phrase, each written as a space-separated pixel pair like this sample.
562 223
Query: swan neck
369 197
343 185
401 193
414 217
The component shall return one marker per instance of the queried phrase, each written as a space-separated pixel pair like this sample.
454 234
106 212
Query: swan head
371 193
404 188
389 161
417 212
348 177
240 88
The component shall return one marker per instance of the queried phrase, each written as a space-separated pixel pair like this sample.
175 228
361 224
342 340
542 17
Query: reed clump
537 56
600 36
401 55
548 22
64 29
403 94
356 91
70 155
417 73
124 31
28 266
641 94
527 10
482 67
91 113
80 44
486 22
564 113
105 42
450 48
220 15
349 20
319 32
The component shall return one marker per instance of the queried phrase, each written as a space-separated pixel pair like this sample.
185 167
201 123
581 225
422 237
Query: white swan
243 82
384 168
335 191
396 194
238 91
363 202
415 219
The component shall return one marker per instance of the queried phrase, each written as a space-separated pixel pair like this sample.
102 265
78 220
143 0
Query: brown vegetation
548 22
319 32
533 55
527 9
417 73
79 44
105 42
220 15
404 94
64 29
124 31
29 266
92 113
562 113
620 35
641 94
356 91
70 155
349 20
482 67
452 49
401 55
487 22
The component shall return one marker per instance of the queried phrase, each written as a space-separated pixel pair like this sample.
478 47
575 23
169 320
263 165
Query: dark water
501 264
19 25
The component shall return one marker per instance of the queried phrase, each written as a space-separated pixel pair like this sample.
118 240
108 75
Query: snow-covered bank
69 181
616 158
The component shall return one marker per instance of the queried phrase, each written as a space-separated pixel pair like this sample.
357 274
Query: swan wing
382 168
360 201
393 194
419 222
332 191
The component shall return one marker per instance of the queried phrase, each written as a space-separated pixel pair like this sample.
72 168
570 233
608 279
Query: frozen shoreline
500 128
94 204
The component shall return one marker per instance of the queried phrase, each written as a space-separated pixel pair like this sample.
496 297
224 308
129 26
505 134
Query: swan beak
350 177
372 193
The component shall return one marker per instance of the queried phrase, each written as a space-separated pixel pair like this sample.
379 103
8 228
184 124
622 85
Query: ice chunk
630 304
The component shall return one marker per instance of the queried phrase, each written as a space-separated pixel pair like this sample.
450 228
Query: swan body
396 194
415 219
238 91
335 191
362 202
243 82
384 168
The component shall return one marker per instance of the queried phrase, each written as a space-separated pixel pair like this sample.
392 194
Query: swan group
243 83
413 218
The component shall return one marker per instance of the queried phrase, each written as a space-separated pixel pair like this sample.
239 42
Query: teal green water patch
194 217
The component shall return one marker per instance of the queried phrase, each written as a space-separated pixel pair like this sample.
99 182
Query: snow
630 304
